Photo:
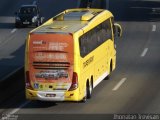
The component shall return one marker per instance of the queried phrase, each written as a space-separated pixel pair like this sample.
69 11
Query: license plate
50 95
25 23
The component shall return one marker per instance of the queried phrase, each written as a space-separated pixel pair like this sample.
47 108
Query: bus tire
107 78
84 99
89 90
109 75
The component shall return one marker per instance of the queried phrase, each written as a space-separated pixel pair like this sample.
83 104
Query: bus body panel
93 66
50 65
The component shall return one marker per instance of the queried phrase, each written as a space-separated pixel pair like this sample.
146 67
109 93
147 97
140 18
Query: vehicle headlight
34 19
17 18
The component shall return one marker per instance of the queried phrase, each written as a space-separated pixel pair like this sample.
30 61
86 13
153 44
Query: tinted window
28 10
95 37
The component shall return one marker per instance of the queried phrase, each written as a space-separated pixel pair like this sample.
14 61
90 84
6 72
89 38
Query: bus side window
113 27
98 35
82 46
95 37
108 29
89 46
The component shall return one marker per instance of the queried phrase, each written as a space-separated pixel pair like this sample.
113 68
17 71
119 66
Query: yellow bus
70 54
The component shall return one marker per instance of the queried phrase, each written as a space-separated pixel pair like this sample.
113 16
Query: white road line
17 109
144 52
119 84
9 114
154 28
14 30
7 76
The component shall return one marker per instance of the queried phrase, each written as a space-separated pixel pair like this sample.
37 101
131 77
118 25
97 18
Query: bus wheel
84 100
107 78
109 75
89 90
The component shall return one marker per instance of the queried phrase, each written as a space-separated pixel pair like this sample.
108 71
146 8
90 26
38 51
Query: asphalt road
134 85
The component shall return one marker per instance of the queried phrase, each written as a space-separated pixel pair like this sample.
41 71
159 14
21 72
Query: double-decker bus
70 54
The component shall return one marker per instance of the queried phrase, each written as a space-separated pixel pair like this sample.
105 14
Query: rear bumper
52 95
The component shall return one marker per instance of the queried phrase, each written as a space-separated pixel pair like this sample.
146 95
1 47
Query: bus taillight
28 83
74 84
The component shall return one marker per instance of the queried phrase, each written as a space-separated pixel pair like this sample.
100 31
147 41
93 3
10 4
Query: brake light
74 84
28 83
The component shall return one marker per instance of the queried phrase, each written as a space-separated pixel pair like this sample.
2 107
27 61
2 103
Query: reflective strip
100 79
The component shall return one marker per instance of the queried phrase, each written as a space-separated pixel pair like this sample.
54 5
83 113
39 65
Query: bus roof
70 21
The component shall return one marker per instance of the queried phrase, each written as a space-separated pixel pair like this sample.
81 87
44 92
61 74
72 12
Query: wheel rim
90 89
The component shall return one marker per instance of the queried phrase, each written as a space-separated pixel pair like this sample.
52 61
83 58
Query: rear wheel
108 77
84 100
89 90
109 74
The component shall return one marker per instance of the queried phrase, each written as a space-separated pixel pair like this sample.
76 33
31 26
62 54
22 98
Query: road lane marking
11 73
17 109
14 30
144 52
119 84
154 28
7 115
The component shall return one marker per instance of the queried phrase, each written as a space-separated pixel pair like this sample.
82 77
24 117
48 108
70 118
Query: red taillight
28 83
74 84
